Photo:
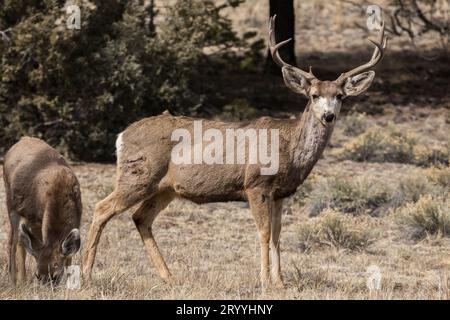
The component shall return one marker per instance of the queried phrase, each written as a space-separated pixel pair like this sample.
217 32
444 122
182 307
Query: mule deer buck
147 175
44 207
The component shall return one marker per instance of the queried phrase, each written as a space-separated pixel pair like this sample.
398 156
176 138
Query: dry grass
213 250
320 25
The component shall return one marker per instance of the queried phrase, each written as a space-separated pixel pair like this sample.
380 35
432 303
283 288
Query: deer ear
358 84
28 240
295 81
71 244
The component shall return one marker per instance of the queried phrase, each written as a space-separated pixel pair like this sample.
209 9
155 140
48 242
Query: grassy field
379 196
348 216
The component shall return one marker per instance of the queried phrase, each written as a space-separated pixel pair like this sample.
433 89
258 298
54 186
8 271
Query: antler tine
380 40
376 56
273 47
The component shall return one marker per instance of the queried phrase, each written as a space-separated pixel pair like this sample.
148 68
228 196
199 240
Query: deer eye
315 96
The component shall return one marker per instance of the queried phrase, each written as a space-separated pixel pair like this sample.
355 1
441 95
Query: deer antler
377 55
273 47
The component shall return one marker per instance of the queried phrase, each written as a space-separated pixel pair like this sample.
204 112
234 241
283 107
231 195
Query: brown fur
43 194
146 174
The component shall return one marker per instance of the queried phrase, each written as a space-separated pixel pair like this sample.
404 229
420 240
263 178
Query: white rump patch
119 146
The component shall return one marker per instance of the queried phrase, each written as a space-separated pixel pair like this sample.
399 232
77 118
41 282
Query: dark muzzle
329 117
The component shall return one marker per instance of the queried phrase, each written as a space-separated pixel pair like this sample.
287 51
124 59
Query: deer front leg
275 243
261 206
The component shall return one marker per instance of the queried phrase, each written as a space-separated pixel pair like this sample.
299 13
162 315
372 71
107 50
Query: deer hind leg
12 248
21 256
275 243
13 237
116 203
261 207
143 219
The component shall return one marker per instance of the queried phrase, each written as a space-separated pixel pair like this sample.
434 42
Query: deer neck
308 143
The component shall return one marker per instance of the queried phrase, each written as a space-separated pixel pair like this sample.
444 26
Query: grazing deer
146 174
44 207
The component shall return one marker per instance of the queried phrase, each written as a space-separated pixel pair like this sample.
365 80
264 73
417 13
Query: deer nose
329 117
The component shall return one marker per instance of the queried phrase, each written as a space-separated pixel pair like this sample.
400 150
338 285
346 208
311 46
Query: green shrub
349 195
440 175
78 89
238 110
355 124
426 156
398 145
429 216
391 144
365 195
300 197
410 189
336 231
435 182
364 147
379 144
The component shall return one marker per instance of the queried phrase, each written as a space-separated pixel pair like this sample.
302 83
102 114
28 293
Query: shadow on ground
404 79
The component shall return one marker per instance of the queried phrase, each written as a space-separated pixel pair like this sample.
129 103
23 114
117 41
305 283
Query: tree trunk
284 29
152 13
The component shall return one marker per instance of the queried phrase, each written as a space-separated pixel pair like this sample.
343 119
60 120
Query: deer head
50 257
326 96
